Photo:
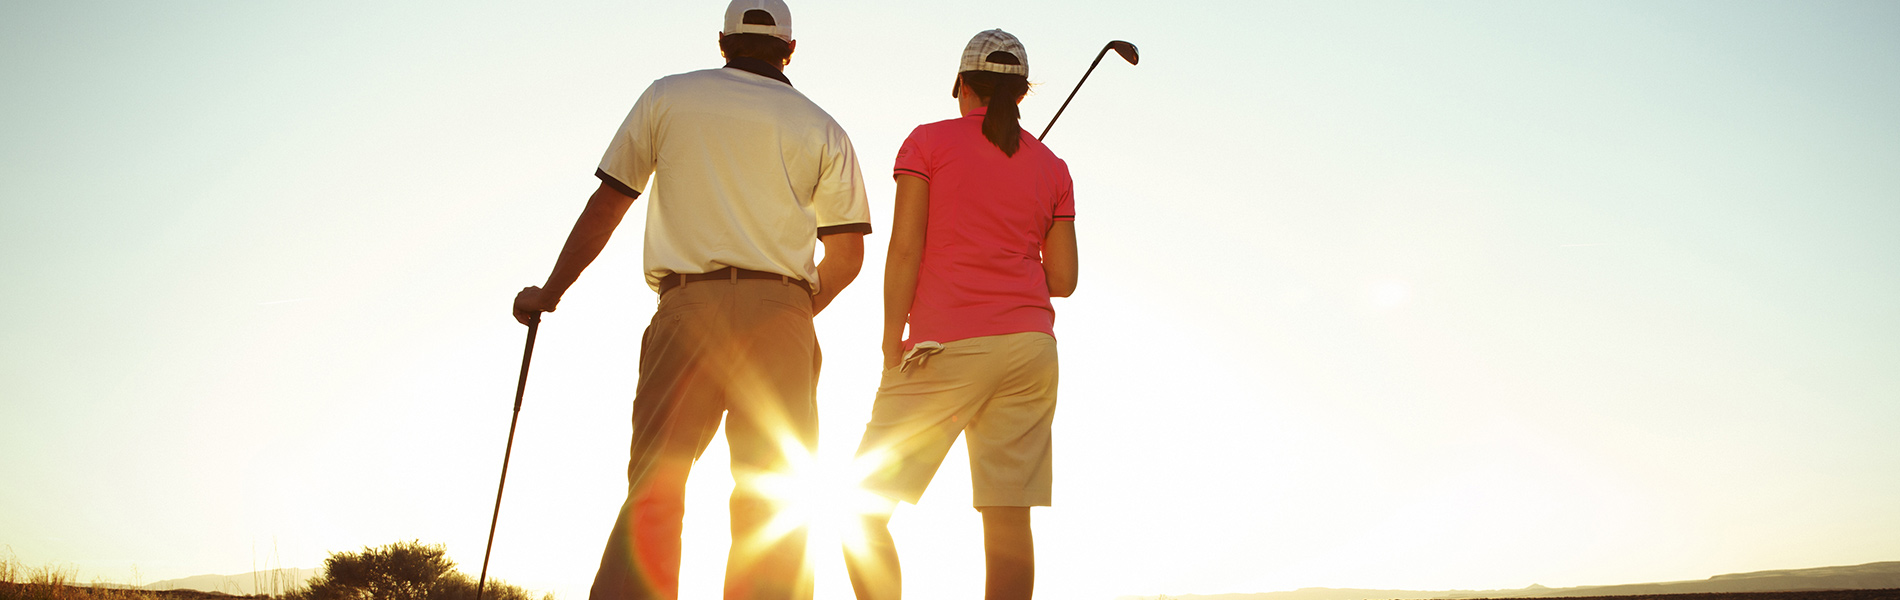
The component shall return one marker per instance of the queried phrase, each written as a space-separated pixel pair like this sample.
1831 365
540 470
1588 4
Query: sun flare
822 493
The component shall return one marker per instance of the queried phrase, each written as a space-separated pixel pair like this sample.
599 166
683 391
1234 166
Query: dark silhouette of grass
56 582
400 571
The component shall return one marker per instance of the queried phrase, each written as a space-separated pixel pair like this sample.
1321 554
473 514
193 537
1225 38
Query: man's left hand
533 300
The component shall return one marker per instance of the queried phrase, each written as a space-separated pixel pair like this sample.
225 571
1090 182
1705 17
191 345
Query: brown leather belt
669 282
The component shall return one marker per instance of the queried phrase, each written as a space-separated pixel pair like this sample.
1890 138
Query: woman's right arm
909 221
1059 265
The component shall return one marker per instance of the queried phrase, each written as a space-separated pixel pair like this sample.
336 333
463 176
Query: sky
1464 294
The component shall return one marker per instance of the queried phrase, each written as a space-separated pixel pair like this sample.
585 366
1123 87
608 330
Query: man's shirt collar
757 67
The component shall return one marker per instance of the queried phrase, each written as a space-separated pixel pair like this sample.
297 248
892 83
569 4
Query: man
749 176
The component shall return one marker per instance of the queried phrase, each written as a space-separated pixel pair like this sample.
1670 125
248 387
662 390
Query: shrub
400 571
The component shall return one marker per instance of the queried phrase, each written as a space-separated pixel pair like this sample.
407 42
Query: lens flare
821 493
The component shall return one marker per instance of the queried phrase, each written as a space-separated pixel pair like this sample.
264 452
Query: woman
983 235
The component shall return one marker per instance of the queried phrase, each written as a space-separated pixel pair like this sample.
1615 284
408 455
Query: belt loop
784 280
733 275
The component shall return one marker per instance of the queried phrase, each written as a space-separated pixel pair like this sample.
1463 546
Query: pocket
680 298
681 316
796 300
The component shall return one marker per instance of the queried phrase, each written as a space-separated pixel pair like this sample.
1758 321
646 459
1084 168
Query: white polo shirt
747 172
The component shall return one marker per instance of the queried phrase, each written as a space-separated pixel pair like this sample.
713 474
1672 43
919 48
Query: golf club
1127 52
534 323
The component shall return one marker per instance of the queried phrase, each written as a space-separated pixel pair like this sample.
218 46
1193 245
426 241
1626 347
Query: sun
821 492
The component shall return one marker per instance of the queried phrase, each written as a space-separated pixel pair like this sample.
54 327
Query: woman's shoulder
1042 154
945 125
939 136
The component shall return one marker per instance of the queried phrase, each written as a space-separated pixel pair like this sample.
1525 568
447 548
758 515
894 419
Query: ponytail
1000 122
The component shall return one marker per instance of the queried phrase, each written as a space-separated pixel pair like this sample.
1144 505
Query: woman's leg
872 561
1009 553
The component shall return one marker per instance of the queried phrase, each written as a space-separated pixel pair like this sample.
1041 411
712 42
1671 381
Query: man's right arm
844 257
590 234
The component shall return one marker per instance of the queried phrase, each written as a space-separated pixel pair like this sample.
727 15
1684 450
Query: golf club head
1127 51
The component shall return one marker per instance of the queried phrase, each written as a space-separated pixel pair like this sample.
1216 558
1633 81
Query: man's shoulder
735 83
694 77
730 77
737 93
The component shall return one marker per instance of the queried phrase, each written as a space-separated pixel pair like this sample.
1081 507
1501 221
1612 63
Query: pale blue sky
1374 294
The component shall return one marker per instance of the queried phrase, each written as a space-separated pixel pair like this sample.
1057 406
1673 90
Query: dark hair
756 45
1000 91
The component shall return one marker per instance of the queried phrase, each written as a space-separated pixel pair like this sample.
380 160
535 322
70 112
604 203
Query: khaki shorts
1001 389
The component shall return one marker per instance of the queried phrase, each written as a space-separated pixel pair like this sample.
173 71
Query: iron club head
1124 49
1127 51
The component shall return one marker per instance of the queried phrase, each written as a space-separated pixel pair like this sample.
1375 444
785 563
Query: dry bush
400 571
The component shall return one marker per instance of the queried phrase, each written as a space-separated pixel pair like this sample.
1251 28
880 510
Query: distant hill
1870 576
245 584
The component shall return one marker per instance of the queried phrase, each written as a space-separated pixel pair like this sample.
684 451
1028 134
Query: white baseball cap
781 17
977 54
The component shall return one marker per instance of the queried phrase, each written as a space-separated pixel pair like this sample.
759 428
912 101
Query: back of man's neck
758 67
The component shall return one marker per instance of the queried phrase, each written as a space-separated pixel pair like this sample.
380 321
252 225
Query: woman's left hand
893 352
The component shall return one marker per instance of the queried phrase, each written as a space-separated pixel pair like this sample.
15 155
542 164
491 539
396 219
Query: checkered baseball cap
982 48
781 17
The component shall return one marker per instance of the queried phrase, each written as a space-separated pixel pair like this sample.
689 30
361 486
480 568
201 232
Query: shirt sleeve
630 157
911 158
1065 199
840 201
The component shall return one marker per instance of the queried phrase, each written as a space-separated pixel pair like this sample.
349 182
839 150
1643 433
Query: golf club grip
527 354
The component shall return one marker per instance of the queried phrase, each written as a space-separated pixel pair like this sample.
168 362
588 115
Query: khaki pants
743 349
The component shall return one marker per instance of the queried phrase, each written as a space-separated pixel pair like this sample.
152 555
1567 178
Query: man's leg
1009 553
676 410
771 426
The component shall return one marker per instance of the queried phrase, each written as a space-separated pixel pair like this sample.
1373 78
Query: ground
1808 595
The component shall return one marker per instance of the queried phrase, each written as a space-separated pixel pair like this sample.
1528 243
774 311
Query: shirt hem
864 228
616 184
914 339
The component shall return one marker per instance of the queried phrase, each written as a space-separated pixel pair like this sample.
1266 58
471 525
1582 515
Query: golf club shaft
521 386
1078 88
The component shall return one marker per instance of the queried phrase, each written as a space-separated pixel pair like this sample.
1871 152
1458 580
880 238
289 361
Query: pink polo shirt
989 213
